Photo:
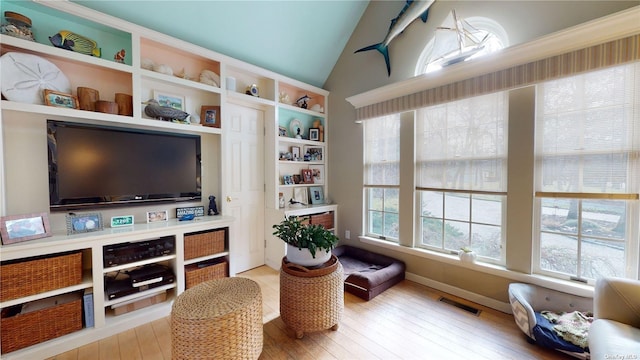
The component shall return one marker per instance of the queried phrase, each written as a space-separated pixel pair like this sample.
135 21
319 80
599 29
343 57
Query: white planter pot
469 257
303 256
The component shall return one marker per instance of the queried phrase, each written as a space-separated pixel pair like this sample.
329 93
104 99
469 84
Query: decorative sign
118 221
193 210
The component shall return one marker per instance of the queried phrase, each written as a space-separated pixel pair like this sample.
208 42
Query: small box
200 272
204 243
37 321
41 274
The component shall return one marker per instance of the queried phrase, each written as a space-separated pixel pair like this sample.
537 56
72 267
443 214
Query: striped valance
595 57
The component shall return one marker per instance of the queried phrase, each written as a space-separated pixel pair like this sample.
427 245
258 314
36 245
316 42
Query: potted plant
307 245
466 254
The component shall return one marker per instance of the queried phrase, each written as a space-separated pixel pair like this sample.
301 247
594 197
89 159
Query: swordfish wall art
410 12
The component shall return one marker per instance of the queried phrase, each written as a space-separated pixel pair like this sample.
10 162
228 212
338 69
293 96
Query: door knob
228 198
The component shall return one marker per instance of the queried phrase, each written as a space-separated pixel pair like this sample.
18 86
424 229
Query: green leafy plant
466 249
313 237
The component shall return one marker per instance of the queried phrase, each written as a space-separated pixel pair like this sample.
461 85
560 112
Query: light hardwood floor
405 322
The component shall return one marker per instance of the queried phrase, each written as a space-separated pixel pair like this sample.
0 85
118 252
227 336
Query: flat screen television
93 166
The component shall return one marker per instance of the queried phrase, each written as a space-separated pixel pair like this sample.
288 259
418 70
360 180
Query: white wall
357 73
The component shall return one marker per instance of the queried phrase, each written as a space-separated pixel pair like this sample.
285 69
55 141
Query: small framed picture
317 195
297 179
210 116
82 223
315 153
301 195
170 100
317 172
282 131
307 176
295 151
314 134
18 228
56 98
156 216
287 180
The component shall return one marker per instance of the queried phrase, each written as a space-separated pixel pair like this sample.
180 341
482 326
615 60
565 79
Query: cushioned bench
366 273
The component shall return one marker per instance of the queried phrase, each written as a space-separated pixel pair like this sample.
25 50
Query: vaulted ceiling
300 39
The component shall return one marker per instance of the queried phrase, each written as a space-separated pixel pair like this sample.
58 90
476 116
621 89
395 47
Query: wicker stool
218 319
311 300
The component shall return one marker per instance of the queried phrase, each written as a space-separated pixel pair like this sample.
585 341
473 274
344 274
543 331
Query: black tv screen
92 166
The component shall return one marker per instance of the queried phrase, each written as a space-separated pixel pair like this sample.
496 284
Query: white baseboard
465 294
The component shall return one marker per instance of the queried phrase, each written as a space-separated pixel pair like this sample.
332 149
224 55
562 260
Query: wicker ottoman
218 319
311 299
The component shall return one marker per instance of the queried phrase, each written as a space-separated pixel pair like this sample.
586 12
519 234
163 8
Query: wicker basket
196 273
38 275
324 219
204 243
22 330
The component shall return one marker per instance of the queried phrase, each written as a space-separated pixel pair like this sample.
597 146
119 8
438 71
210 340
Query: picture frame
317 195
19 228
314 134
297 179
307 176
120 221
282 131
287 180
157 216
301 195
295 151
317 171
60 99
171 100
84 223
315 153
210 116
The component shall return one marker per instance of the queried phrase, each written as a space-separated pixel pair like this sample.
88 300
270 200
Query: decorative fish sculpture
68 40
411 11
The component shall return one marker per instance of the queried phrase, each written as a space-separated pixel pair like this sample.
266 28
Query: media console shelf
91 246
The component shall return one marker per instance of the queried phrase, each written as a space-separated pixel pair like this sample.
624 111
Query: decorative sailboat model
456 40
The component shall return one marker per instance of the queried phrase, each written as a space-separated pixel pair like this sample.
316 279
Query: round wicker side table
311 299
218 319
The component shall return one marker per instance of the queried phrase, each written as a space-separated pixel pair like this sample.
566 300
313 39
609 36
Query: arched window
459 39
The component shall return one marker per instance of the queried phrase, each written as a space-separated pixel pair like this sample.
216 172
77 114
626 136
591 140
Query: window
382 176
588 174
459 40
461 167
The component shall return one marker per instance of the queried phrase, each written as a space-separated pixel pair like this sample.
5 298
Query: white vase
303 256
469 257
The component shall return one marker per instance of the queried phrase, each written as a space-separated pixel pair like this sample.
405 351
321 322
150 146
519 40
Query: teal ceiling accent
300 39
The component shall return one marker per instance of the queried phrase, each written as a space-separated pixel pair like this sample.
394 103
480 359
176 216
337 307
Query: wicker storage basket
196 273
22 330
325 219
204 243
38 275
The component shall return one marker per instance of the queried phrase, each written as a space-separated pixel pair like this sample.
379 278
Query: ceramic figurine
302 102
71 41
157 111
213 209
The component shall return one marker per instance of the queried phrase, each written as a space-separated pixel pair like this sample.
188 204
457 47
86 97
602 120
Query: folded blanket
571 326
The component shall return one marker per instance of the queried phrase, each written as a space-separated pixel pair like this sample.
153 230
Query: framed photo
56 98
170 100
317 171
18 228
314 134
317 195
282 131
307 176
297 179
301 195
210 116
287 180
82 223
295 151
315 153
156 216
